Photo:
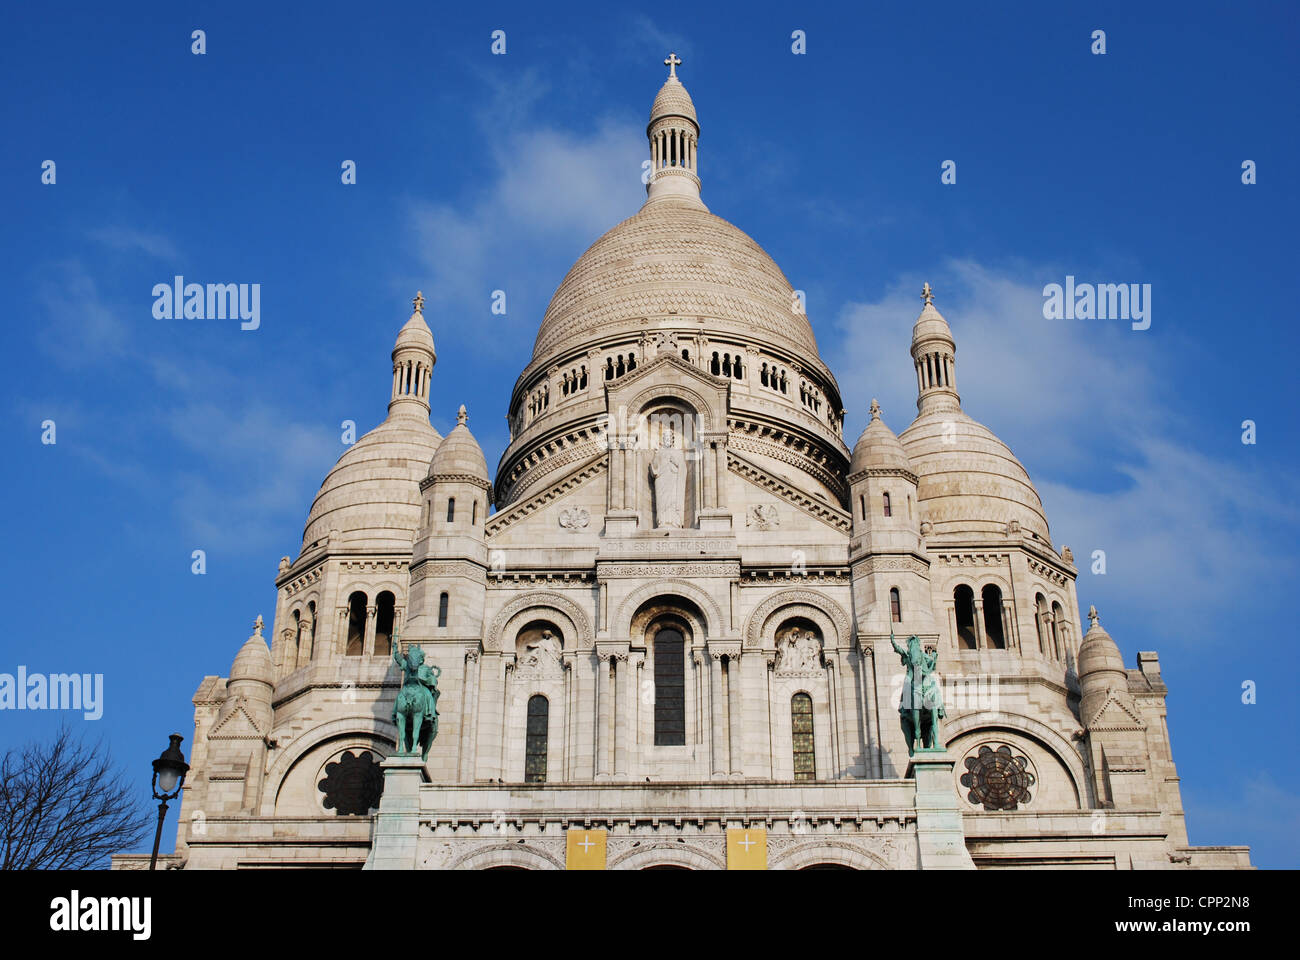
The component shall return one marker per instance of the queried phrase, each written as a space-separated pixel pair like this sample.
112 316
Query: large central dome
674 259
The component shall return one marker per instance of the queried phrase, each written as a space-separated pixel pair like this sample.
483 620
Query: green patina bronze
921 704
415 714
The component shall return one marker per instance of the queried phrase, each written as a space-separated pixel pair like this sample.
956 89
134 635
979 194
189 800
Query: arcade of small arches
365 630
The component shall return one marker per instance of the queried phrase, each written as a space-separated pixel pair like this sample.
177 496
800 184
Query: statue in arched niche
668 477
543 652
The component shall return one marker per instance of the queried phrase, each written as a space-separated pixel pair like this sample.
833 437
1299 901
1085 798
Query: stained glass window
997 778
539 717
801 726
670 689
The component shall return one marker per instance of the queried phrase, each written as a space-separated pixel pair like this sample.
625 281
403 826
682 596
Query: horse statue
921 704
415 714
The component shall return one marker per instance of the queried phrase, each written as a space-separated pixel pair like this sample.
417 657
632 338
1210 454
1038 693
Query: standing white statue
668 473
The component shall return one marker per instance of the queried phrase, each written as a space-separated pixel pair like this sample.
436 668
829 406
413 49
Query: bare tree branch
64 806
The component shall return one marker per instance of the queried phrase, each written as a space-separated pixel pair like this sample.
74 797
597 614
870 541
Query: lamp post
168 776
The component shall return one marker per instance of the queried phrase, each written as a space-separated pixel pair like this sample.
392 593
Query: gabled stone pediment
558 508
782 491
1115 714
236 725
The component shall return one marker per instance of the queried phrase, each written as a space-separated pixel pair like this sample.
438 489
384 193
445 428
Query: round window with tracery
997 778
352 783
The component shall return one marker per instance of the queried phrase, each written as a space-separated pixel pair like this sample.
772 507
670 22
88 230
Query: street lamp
168 776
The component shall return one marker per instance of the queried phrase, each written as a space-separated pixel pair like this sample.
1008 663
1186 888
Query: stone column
833 697
708 467
566 771
507 696
304 641
341 641
615 474
630 476
622 712
368 648
721 762
468 719
735 701
604 685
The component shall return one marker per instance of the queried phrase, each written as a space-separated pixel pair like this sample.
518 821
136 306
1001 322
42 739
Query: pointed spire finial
419 301
875 409
672 63
461 415
1092 616
257 626
927 295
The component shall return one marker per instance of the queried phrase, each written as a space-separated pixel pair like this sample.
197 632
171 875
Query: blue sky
478 172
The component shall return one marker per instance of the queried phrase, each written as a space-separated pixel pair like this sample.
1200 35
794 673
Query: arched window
311 641
895 605
992 598
443 602
801 734
451 509
473 514
888 511
670 688
964 600
539 717
356 625
295 640
1058 628
385 613
1040 615
862 503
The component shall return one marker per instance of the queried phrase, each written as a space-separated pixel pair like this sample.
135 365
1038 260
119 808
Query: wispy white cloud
248 465
130 240
553 192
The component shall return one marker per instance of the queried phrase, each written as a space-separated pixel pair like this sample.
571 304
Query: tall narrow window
992 598
895 605
442 609
385 613
539 717
1058 627
356 625
311 643
801 731
451 509
862 503
670 688
888 511
963 599
296 641
1040 615
473 514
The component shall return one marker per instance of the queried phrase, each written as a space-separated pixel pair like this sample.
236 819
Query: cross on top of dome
672 62
927 295
419 301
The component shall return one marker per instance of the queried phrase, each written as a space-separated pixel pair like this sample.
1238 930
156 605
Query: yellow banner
747 849
585 850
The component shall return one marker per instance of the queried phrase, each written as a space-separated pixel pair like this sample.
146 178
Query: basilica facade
663 632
